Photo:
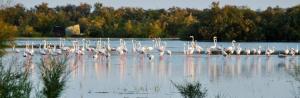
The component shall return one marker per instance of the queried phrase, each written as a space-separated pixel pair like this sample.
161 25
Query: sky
158 4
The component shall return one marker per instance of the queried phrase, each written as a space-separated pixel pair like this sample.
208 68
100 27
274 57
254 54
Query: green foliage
191 90
54 75
228 22
14 82
7 33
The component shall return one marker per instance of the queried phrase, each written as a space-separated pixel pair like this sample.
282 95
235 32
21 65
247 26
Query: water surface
135 76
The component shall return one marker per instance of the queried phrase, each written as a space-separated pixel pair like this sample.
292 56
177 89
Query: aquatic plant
54 75
14 82
191 89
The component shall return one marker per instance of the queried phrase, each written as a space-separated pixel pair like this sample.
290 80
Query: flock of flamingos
103 48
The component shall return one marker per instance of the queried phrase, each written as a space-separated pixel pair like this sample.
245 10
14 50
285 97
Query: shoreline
177 38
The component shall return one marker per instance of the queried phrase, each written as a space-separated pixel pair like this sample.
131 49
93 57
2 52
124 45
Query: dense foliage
228 22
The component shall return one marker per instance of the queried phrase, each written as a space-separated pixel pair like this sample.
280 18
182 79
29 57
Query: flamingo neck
215 43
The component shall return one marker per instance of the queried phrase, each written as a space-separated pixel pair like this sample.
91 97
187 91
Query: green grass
191 89
54 75
14 82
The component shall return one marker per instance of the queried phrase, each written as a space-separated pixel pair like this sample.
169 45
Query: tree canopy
228 22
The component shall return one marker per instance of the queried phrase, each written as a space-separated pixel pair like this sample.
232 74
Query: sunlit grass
54 75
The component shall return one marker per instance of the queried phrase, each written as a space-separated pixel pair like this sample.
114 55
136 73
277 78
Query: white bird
15 50
238 50
184 50
248 51
193 43
190 50
42 51
169 52
31 52
208 51
24 54
150 57
95 55
269 51
259 50
286 51
231 48
292 51
254 51
297 50
215 47
133 42
224 52
198 48
161 49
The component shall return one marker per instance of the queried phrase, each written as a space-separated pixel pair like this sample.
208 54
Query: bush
54 75
191 90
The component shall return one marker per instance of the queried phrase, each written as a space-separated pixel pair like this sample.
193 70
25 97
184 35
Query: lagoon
134 76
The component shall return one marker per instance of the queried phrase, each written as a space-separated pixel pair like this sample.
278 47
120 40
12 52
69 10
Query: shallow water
135 76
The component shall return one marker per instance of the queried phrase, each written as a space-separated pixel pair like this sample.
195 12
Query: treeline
228 22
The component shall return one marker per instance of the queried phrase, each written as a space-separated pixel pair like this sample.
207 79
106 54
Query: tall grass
191 89
14 82
54 75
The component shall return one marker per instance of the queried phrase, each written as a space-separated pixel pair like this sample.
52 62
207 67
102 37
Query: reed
14 82
54 75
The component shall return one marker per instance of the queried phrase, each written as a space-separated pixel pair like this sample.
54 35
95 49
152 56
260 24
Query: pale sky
158 4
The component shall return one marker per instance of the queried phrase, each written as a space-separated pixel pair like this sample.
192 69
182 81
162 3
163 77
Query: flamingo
286 51
190 50
133 46
208 51
254 51
24 54
292 51
259 50
248 51
95 55
297 50
42 51
214 47
31 52
63 46
269 51
15 50
224 52
108 45
193 44
169 52
161 49
198 48
184 50
150 57
231 48
121 47
238 50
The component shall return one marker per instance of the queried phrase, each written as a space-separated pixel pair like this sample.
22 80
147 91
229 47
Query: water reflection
131 70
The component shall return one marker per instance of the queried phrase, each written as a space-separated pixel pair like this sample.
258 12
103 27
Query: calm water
135 76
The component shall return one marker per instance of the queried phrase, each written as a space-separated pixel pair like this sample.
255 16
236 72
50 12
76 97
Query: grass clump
14 82
54 75
191 89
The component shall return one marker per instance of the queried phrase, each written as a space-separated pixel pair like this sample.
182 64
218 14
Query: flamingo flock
104 48
234 49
